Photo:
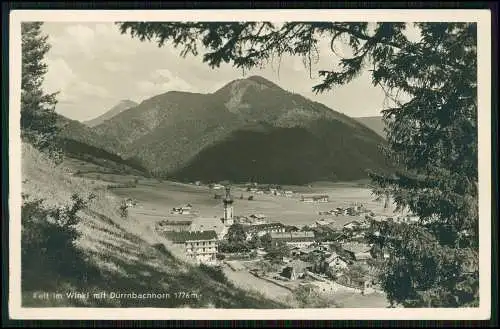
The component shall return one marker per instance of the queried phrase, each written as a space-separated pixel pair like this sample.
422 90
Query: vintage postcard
250 164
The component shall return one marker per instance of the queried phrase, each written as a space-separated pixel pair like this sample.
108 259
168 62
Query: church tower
228 208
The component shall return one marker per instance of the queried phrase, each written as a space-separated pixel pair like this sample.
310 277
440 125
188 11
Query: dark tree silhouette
38 118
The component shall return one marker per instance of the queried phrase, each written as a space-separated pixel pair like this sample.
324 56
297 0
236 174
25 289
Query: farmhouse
130 203
182 210
199 246
295 269
294 239
174 225
335 263
358 251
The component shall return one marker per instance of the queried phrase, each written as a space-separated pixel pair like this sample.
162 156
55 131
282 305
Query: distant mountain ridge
375 123
248 128
118 108
79 141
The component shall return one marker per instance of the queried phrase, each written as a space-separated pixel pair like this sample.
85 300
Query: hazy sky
94 67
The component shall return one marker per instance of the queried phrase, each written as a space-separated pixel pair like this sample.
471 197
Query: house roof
354 222
356 247
264 226
257 216
207 224
180 237
297 265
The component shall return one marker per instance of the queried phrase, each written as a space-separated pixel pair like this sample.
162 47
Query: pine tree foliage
38 118
431 126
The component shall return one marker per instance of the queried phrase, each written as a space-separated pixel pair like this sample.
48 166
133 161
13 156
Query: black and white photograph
227 165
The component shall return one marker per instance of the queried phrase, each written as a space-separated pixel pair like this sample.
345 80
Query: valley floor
156 200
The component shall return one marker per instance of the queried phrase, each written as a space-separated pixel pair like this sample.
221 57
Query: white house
335 264
199 246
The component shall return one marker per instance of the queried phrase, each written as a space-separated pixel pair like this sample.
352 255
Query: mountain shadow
296 155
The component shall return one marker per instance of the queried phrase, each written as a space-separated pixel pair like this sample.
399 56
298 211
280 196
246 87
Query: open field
247 281
155 200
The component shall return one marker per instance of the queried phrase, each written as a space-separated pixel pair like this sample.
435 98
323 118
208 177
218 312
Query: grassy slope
121 256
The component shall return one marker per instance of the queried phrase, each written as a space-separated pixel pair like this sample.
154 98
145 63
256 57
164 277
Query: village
324 255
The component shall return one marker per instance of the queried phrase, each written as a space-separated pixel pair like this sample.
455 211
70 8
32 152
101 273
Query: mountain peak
244 83
122 105
262 80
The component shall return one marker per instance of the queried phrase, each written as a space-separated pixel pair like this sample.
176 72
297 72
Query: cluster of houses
322 251
406 218
269 190
318 262
355 210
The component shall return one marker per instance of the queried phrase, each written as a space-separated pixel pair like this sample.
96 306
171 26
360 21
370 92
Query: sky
94 67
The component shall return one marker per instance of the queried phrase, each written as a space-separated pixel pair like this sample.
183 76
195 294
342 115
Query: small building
187 206
358 251
322 222
217 186
295 269
334 264
182 210
352 225
330 264
130 203
199 246
257 216
315 198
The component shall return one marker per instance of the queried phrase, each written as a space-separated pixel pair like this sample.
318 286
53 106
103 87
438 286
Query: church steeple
228 208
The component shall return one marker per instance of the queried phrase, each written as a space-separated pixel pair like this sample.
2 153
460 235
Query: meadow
156 200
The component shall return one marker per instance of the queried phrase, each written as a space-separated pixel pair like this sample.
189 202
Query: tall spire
228 208
228 198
